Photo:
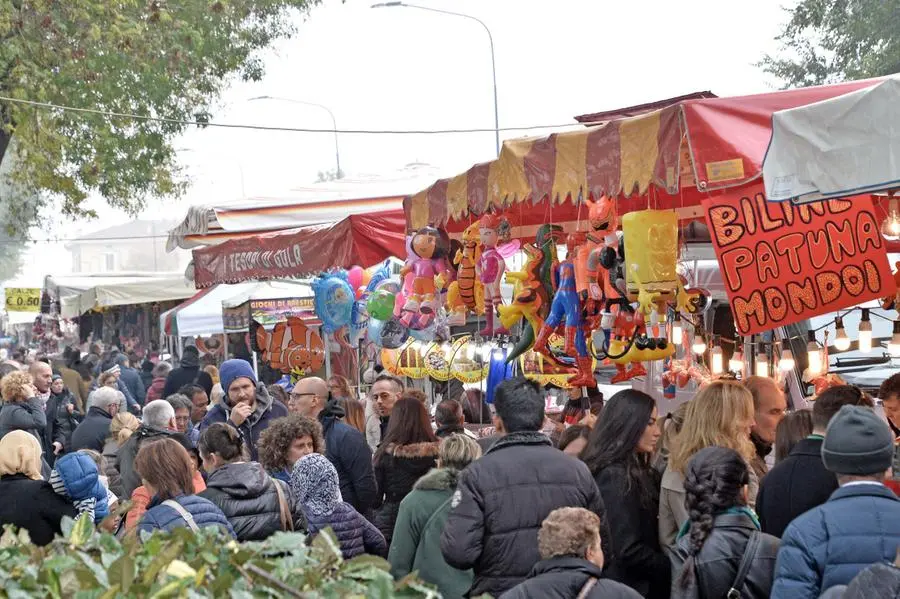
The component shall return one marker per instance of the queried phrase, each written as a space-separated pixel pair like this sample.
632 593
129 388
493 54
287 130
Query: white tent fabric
121 291
202 314
844 146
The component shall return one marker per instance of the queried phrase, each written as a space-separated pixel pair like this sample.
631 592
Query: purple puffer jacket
355 534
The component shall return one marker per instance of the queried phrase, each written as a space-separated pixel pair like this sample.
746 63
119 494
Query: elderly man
345 446
157 422
103 405
770 404
247 405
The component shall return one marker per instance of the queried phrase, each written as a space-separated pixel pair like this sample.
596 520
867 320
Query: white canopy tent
844 146
77 295
202 314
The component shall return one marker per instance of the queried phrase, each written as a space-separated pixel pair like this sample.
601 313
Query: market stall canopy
670 157
317 204
202 314
359 239
103 292
844 146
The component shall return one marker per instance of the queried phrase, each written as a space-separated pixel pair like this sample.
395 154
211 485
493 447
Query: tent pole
327 356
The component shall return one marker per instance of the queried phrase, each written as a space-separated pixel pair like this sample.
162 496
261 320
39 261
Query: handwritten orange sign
783 263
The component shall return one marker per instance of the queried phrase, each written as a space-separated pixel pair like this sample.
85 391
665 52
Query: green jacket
416 545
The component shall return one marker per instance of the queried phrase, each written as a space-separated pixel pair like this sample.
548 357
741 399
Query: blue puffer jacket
355 534
76 477
204 512
829 545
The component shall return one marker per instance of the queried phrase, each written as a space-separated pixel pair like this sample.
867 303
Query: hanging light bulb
890 227
736 363
865 332
716 360
677 331
841 340
813 354
762 361
699 345
786 363
499 351
894 345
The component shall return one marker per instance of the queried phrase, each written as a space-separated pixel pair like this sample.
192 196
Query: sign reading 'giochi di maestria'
783 263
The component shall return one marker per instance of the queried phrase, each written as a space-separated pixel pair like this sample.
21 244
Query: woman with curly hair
22 410
721 533
720 414
287 440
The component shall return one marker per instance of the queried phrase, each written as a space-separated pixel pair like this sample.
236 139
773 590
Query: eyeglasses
297 396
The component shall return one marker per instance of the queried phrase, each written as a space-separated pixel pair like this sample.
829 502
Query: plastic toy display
466 294
428 265
291 347
490 269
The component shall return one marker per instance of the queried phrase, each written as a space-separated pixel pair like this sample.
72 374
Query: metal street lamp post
337 152
493 61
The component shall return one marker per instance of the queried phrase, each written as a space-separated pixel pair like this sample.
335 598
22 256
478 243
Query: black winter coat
397 470
795 485
61 424
564 577
247 497
189 373
131 480
92 432
501 501
347 450
638 560
34 506
25 416
716 566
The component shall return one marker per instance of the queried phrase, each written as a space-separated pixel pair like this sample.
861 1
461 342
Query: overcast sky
402 68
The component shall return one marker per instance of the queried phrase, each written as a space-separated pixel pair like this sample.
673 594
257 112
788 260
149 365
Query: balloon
355 277
333 300
393 334
374 331
425 335
377 275
358 322
381 304
392 287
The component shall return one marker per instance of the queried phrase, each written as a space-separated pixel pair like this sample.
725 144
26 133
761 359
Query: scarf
20 453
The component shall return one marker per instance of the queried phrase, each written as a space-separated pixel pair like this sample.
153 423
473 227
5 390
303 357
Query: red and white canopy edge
843 146
671 157
317 204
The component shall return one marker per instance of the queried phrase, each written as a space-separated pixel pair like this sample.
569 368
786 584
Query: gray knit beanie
857 441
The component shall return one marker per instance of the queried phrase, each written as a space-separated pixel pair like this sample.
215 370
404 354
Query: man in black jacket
157 422
91 433
188 373
801 482
345 447
502 499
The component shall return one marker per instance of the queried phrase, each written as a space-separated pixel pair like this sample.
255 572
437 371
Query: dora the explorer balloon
429 246
491 267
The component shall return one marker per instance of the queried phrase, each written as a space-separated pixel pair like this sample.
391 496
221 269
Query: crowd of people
732 495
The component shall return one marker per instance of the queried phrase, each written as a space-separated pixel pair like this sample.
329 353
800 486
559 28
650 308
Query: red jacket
155 390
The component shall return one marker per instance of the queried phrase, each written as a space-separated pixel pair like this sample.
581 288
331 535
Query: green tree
168 59
828 41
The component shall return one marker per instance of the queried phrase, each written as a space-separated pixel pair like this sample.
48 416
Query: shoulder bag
183 513
287 522
746 561
586 589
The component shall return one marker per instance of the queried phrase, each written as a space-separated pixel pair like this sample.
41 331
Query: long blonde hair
719 415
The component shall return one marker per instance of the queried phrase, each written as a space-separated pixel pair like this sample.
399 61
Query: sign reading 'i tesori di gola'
783 263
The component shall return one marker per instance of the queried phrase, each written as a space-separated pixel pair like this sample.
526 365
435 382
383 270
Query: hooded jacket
397 470
267 410
501 501
564 577
248 498
76 478
189 372
348 451
416 544
131 480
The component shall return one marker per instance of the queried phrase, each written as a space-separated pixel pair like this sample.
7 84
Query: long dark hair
614 440
713 482
409 424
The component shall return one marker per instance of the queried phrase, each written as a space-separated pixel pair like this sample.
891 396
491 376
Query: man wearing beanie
858 526
246 405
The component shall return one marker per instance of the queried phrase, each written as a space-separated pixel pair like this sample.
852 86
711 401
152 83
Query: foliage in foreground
87 564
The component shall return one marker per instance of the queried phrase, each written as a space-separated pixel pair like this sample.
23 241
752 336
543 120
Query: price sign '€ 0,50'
23 299
782 263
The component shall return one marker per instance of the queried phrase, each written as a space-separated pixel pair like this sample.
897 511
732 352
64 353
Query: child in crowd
314 482
75 476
